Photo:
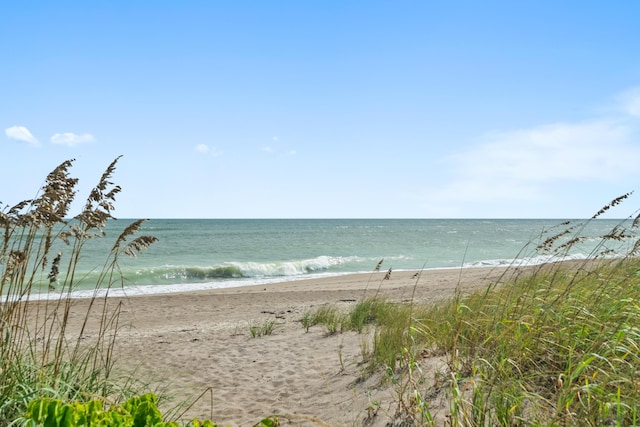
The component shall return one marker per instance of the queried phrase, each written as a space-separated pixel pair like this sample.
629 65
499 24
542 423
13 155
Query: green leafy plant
140 411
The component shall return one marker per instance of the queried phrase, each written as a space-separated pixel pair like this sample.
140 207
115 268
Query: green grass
558 347
391 323
362 315
330 317
555 345
260 329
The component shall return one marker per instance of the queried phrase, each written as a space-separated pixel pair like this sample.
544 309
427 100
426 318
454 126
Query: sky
326 109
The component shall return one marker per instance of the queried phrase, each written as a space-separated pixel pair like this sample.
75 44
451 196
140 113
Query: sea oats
636 221
571 243
56 197
53 273
547 245
99 204
138 244
613 203
635 251
128 231
618 233
34 333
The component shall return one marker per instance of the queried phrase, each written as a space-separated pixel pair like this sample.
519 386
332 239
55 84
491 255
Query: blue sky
286 109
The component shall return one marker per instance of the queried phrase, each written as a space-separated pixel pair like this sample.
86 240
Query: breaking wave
237 270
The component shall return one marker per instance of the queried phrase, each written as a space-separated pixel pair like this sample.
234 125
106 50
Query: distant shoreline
150 290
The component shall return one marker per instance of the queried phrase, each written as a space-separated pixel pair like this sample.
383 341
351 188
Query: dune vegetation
553 345
63 377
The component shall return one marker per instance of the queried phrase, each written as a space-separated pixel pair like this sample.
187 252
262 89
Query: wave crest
236 270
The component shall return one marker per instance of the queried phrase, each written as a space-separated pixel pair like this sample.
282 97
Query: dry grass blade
15 261
99 204
571 243
4 219
613 203
130 230
635 250
547 245
618 233
138 245
53 273
15 210
636 221
57 194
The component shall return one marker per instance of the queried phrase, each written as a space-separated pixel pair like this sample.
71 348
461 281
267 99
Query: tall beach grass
38 355
557 344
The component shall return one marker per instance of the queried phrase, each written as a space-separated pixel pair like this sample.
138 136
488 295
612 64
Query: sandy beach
190 344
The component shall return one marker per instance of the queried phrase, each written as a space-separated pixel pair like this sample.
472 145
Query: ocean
196 254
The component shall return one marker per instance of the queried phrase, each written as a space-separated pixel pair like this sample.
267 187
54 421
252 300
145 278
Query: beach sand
189 344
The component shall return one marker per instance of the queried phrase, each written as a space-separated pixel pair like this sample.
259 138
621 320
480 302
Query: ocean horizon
198 254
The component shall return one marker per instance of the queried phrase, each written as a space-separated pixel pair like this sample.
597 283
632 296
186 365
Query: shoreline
133 291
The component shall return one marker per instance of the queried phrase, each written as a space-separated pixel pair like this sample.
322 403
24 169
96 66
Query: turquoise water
212 253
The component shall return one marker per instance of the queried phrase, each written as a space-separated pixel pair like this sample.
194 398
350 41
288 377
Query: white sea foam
290 268
523 262
132 291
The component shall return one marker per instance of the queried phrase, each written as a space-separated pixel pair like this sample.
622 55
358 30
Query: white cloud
202 148
292 152
71 139
552 169
205 149
589 150
630 102
267 149
529 164
21 133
